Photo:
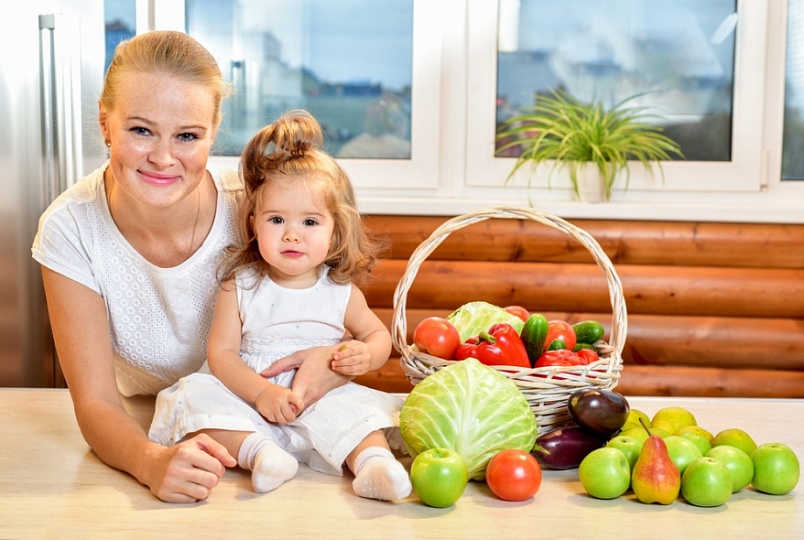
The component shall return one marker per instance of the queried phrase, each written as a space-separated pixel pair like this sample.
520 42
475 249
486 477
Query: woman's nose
161 153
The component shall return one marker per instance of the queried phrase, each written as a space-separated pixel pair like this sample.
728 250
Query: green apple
671 419
439 476
735 437
698 440
663 433
630 446
776 469
738 462
706 482
605 473
698 430
633 420
638 433
682 451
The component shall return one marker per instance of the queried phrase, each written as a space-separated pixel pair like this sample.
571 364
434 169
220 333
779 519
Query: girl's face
294 230
161 131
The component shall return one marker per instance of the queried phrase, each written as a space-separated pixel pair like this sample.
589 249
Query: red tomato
437 336
514 475
560 330
519 311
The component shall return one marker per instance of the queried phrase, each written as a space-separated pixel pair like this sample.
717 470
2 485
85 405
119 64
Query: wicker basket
546 389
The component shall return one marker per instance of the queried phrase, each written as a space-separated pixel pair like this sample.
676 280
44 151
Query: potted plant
586 139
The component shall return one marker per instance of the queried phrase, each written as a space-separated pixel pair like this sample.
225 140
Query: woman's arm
183 473
274 402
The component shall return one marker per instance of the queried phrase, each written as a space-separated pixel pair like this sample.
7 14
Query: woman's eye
188 136
140 131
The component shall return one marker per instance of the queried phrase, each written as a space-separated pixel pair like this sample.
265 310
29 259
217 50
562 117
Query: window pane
678 56
348 62
793 146
120 21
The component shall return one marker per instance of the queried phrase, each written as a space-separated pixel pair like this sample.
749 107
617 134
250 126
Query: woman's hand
353 358
279 404
188 471
314 377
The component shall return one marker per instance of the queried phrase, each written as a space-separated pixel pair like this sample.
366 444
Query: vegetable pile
509 336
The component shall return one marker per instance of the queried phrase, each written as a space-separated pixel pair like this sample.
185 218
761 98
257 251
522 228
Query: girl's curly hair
290 148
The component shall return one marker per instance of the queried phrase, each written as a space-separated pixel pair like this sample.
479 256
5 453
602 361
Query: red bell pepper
500 346
561 357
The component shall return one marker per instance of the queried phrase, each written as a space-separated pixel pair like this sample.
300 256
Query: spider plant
571 133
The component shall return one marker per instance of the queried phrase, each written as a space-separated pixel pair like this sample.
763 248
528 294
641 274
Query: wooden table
53 486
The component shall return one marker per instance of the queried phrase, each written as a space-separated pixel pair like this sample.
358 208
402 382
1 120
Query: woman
129 258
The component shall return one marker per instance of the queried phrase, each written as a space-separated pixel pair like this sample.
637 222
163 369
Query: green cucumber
556 345
579 346
533 335
588 331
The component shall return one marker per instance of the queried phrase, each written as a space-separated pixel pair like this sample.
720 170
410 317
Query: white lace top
159 318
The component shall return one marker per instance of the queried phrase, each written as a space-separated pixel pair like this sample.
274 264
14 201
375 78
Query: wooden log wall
714 309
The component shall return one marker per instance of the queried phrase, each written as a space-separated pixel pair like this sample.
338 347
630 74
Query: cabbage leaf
470 408
474 317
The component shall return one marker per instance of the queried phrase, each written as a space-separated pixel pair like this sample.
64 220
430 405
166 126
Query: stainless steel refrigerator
51 72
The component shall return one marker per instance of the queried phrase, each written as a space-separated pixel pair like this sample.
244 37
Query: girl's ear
251 226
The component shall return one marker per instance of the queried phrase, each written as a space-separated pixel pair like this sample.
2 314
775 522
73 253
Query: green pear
633 420
655 478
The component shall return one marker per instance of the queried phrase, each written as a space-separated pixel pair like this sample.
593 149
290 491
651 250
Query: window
714 70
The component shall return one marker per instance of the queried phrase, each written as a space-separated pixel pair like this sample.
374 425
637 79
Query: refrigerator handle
60 66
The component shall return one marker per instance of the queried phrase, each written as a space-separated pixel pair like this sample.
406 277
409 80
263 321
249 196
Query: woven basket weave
546 389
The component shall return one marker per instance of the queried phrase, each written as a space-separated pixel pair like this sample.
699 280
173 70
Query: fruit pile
669 455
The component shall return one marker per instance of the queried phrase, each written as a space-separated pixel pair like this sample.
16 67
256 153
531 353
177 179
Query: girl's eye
310 222
276 220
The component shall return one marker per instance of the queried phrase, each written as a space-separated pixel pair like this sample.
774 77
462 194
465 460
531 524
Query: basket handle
420 254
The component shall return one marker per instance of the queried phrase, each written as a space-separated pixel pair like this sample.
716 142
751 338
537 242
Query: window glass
348 62
793 146
676 57
120 21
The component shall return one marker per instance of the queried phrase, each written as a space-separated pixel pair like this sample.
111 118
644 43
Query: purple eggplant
565 447
599 411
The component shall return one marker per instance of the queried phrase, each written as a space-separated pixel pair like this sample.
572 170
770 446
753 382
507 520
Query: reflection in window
793 145
348 62
120 21
677 57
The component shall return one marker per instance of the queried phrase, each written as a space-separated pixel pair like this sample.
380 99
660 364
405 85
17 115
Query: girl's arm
182 473
371 346
274 402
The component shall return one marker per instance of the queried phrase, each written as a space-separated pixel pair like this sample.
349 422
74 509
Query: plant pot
590 187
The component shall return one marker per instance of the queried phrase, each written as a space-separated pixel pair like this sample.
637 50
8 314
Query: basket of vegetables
546 373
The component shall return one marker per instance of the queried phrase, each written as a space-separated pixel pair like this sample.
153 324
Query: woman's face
294 230
161 131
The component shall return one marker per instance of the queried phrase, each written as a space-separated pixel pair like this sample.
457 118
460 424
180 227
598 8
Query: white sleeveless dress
276 323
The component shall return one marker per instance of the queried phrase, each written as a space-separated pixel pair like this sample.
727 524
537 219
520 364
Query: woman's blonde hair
168 52
290 149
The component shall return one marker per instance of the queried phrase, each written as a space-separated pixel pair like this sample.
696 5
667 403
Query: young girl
291 286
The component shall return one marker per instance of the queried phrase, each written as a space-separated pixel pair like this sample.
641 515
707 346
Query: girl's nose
291 235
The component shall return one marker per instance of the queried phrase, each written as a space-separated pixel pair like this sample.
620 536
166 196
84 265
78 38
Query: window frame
452 127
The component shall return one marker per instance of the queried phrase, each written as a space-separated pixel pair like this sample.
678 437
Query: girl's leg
270 465
378 474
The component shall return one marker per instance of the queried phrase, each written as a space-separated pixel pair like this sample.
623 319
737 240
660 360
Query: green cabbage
470 408
475 317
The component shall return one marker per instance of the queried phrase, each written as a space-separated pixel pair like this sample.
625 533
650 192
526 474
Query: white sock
270 465
378 475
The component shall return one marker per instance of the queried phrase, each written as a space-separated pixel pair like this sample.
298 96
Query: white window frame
453 171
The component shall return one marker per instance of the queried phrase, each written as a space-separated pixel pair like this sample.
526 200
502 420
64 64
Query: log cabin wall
714 309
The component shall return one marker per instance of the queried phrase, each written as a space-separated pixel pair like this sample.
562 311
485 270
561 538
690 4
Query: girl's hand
279 404
353 358
188 471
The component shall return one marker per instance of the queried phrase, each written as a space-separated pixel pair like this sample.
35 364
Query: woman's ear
103 118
